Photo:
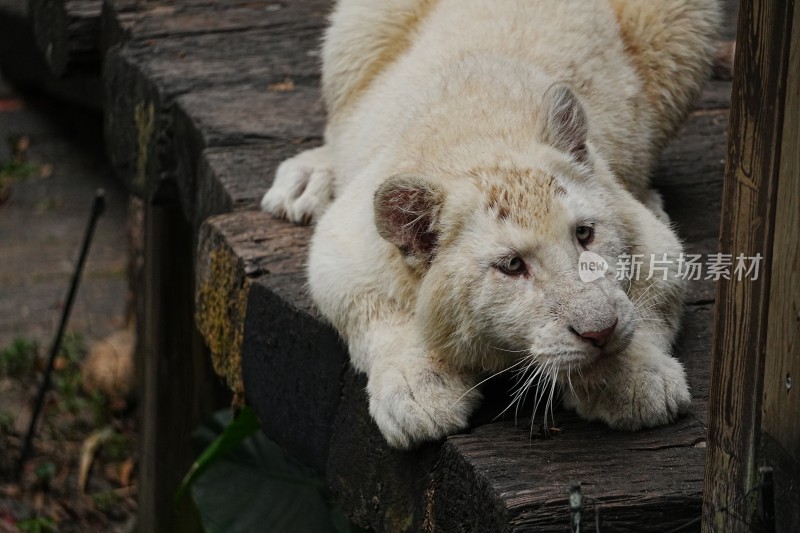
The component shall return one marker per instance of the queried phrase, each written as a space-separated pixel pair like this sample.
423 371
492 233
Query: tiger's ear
565 126
407 211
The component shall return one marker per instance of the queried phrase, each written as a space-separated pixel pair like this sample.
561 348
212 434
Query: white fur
465 102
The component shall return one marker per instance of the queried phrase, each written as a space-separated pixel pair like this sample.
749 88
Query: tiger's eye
514 266
584 234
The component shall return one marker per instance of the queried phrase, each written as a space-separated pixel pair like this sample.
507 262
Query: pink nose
598 338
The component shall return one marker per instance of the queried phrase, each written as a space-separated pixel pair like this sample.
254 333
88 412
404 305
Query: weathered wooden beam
175 49
155 52
282 122
68 35
752 413
24 65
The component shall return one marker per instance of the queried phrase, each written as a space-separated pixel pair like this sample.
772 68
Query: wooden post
754 406
177 386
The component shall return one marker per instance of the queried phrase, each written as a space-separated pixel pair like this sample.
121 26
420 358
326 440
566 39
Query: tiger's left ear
565 126
407 211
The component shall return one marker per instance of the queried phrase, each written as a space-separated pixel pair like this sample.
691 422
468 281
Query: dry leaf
283 86
88 450
45 171
126 471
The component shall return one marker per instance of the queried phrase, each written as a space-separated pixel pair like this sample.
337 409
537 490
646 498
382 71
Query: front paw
411 406
303 187
634 395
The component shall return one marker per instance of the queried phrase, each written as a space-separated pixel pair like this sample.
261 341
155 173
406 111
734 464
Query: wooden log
68 35
752 414
283 122
233 251
143 78
235 178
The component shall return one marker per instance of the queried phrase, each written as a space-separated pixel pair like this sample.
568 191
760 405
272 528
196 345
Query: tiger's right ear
407 211
565 125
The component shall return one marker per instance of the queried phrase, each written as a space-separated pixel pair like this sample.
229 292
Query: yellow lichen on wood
221 307
144 117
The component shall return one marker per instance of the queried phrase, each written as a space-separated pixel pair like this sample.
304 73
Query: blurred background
81 474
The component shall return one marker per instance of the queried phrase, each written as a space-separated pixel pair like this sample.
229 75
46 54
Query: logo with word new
591 266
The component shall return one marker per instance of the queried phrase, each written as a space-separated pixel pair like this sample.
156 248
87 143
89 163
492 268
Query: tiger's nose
597 338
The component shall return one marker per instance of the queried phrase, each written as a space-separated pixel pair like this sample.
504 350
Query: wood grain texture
780 446
282 121
235 178
783 331
173 49
748 227
234 250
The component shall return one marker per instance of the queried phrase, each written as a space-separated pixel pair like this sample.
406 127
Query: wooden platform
202 100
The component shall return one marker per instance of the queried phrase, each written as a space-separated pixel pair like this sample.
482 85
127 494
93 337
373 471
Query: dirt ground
82 474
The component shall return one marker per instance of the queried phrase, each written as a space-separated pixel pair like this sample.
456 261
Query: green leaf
232 435
255 486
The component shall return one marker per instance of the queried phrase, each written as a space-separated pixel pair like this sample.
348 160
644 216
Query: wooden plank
68 35
500 479
233 250
125 20
748 227
235 178
289 120
382 488
780 442
143 79
293 367
783 330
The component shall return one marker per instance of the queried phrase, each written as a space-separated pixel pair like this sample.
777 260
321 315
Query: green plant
68 380
98 404
39 524
282 494
17 170
6 421
18 359
105 500
117 448
44 473
73 347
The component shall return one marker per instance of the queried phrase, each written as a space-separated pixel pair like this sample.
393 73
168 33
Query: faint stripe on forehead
521 195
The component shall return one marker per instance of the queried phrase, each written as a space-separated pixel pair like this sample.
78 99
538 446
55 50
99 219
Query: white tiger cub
474 150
